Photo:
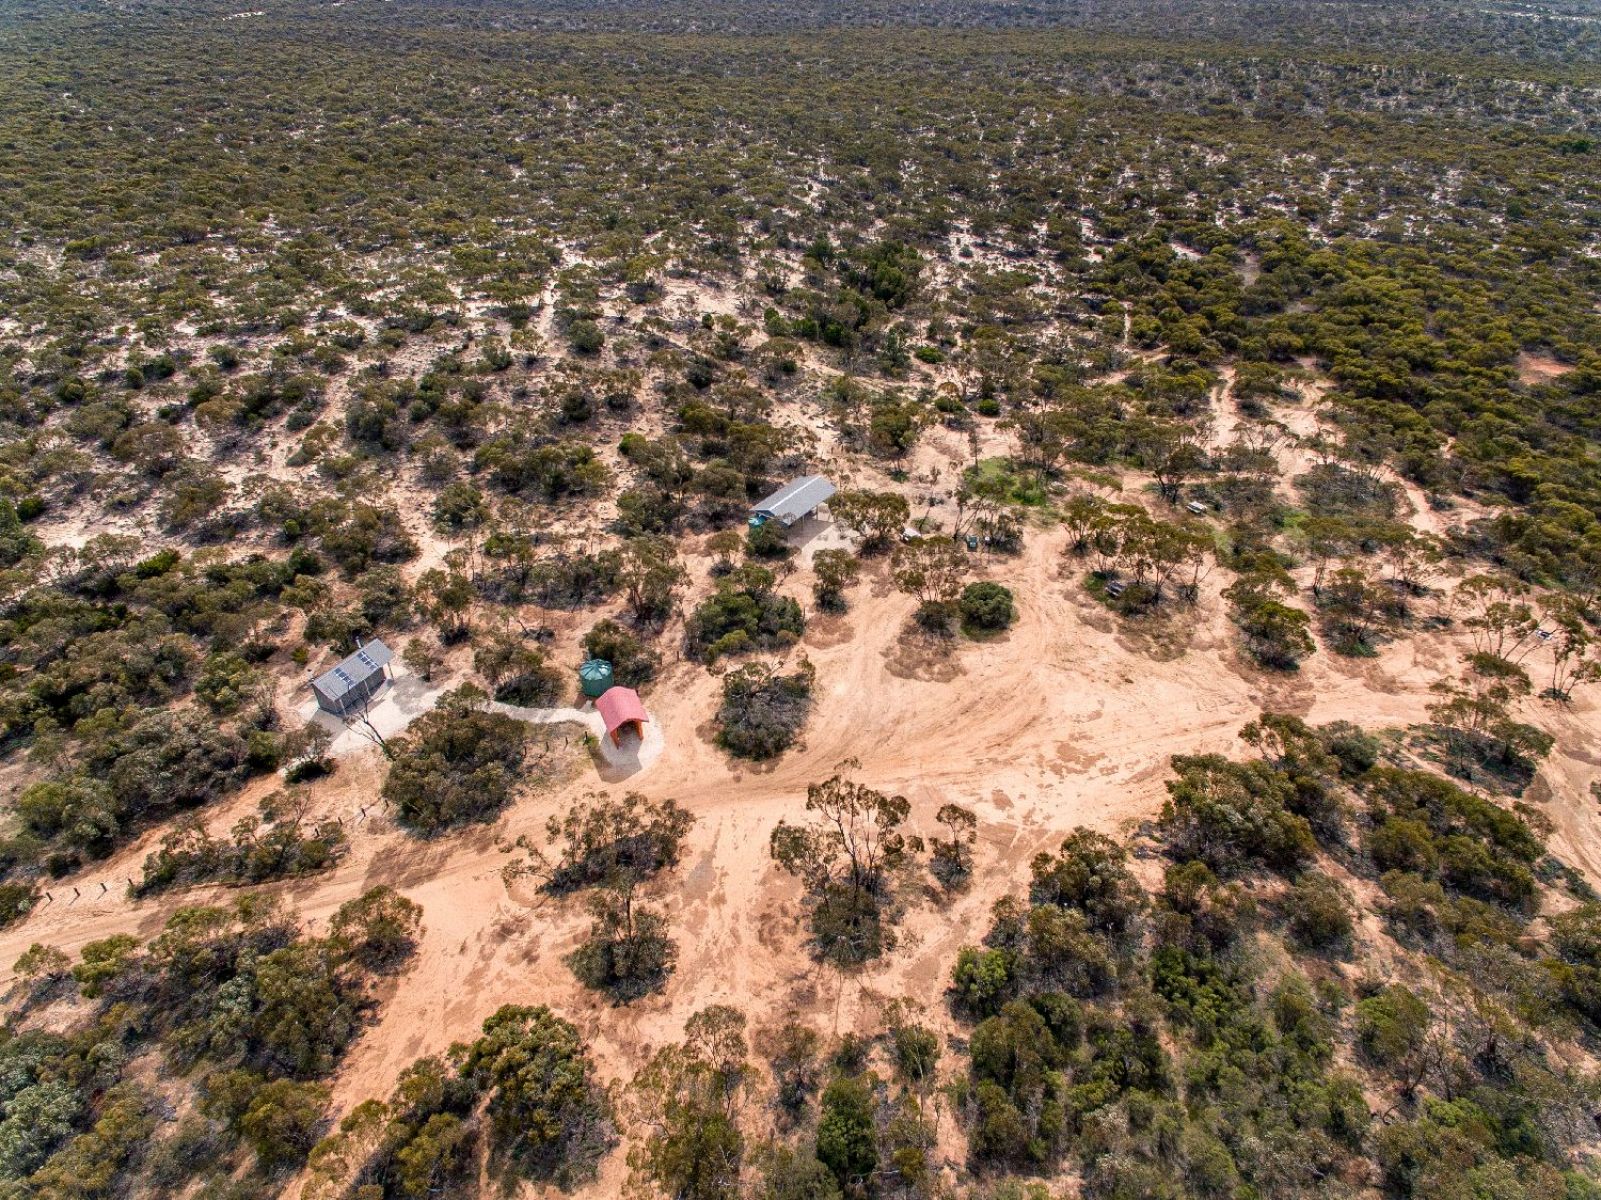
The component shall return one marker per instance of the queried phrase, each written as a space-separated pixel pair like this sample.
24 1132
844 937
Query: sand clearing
1540 368
1066 720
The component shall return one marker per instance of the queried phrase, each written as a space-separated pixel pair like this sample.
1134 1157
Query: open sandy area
1066 720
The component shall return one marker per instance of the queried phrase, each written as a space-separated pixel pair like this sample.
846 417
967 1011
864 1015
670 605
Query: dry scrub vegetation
1167 768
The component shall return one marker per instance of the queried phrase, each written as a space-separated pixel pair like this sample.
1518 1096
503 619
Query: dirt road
1066 720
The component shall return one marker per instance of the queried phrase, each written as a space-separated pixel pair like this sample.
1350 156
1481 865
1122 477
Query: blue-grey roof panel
797 498
354 670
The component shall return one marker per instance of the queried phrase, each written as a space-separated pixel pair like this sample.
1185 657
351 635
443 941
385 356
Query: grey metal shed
355 679
796 499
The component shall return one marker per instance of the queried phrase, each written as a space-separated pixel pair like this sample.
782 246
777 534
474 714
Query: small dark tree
455 764
951 858
1319 912
844 859
445 596
650 575
517 671
421 657
763 710
792 1051
987 607
877 517
600 837
835 571
769 541
282 1121
547 1111
614 846
847 1142
627 953
686 1101
585 337
724 545
378 929
1572 647
1275 634
745 613
1393 1028
930 569
1090 874
633 663
1478 716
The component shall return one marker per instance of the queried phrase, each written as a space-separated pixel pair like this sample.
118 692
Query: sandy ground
1540 368
406 697
1066 720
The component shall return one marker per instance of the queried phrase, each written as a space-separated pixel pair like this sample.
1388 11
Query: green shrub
835 571
1320 912
455 764
378 929
982 980
987 607
15 901
1391 1026
936 616
256 853
282 1121
744 614
1275 634
633 663
549 1114
847 1141
763 710
585 337
769 540
1229 814
627 952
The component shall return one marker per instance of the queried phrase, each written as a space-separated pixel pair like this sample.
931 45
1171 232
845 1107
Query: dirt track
1069 719
1064 721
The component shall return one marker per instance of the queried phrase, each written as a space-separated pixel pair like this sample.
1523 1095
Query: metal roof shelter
796 499
621 707
354 679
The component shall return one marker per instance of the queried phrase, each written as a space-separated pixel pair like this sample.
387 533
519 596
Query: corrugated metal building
619 708
796 499
353 680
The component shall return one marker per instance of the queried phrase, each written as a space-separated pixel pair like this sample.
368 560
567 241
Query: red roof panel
618 706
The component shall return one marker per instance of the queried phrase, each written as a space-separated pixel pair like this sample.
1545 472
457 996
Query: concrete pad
390 710
406 697
634 753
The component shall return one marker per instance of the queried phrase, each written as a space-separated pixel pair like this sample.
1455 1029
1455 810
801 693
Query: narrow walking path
407 697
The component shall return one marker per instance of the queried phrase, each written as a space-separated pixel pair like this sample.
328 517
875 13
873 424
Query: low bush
763 710
455 764
987 607
257 850
1320 913
744 614
633 663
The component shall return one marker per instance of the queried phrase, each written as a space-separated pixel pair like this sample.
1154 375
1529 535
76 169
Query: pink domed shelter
620 707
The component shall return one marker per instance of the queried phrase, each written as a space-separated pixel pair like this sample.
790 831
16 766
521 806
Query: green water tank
595 677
